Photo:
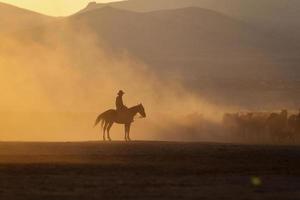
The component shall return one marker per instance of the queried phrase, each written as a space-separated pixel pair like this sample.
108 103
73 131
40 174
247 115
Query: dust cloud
56 80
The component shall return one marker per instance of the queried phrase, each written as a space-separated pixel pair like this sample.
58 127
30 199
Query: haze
184 62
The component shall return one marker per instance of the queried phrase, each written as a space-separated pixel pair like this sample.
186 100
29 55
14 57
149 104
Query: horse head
141 110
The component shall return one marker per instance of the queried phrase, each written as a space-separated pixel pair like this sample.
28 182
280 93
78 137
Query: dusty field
148 170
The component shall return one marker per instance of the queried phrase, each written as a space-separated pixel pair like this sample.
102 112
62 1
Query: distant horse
294 124
277 125
108 118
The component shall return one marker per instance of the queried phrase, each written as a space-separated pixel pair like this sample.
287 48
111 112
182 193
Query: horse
126 117
294 124
277 125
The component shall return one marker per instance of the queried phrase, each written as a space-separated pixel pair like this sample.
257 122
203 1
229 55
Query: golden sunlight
53 7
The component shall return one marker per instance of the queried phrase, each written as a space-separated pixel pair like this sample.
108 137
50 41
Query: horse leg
125 131
128 131
108 129
104 129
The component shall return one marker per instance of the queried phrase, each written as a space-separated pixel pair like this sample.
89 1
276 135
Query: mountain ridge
271 15
13 18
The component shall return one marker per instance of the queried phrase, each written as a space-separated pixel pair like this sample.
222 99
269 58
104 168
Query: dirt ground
148 170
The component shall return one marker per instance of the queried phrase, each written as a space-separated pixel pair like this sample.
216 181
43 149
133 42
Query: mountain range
214 46
272 15
192 38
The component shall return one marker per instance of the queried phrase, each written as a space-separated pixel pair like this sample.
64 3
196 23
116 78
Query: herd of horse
277 126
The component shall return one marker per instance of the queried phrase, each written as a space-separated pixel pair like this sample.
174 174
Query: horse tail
99 118
102 118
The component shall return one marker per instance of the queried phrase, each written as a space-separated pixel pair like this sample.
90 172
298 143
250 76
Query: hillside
201 40
13 18
272 15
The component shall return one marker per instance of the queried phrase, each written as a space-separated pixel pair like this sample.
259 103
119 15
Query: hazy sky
53 7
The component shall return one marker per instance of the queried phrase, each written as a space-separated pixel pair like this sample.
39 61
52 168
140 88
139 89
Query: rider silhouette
119 101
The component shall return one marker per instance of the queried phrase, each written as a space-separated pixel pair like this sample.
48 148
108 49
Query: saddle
122 115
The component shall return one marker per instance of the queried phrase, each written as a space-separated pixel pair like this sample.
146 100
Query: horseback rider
119 102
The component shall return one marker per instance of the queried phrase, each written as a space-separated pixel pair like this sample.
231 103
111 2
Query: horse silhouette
126 117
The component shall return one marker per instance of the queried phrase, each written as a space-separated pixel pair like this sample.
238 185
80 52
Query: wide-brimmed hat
121 92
